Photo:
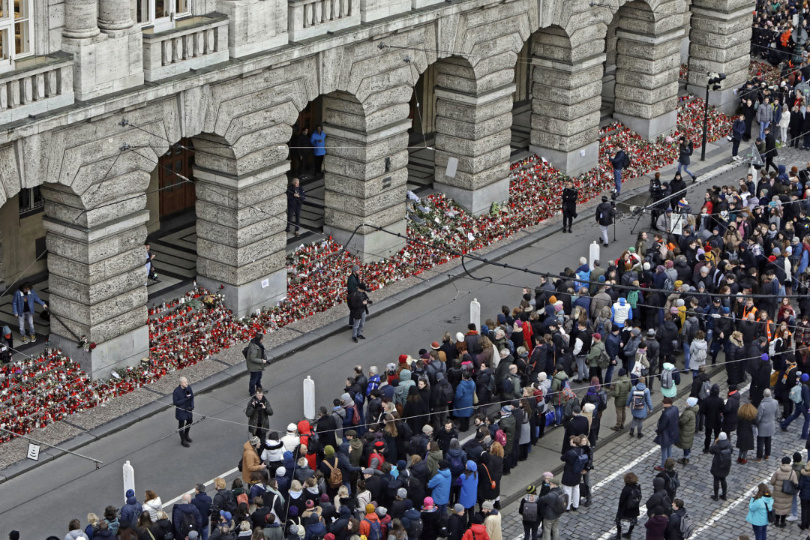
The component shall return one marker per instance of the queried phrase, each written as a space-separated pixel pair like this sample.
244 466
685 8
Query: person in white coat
784 124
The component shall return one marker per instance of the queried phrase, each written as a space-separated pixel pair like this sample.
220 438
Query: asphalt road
41 502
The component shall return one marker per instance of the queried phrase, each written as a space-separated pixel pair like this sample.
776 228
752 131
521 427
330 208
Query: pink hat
428 502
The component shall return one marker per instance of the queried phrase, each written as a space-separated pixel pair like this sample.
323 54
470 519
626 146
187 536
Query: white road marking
210 482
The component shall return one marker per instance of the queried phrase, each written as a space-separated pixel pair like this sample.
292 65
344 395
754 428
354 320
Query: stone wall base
650 128
242 299
117 353
476 201
572 163
725 100
372 246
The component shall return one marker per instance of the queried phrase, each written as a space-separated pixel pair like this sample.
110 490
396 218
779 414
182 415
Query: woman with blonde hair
92 525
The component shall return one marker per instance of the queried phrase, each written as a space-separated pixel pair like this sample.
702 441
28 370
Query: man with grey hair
767 413
186 518
183 400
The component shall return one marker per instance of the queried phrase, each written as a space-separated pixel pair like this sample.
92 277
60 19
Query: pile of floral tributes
36 392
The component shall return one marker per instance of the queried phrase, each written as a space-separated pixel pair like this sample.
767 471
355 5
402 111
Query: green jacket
507 424
686 425
597 356
620 389
254 358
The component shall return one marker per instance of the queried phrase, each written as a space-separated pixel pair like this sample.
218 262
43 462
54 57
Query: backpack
604 359
186 524
580 463
666 379
638 400
603 400
705 390
668 285
415 530
687 527
796 394
335 479
457 465
699 356
560 503
500 436
530 511
446 393
168 535
634 501
566 394
245 352
507 386
229 502
626 161
355 416
374 530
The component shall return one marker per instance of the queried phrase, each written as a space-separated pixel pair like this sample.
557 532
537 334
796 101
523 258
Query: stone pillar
473 125
97 280
241 216
114 15
366 172
80 19
255 25
720 41
566 98
647 81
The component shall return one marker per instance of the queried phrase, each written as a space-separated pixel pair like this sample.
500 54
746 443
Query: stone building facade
95 92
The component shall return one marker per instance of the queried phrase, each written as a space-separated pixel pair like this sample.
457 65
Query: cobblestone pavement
722 520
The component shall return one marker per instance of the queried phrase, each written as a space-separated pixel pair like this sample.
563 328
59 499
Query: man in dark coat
712 409
666 433
353 284
569 205
730 410
185 518
183 400
760 380
660 497
604 215
295 199
258 412
358 300
770 150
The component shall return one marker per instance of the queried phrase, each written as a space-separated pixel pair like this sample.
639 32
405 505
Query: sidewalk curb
523 239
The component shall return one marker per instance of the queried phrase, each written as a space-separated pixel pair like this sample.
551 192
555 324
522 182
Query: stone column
97 280
241 216
473 125
720 41
647 64
80 19
366 172
114 15
566 100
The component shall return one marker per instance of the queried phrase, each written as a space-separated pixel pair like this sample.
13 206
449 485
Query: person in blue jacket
318 141
440 486
758 509
463 401
618 162
469 489
22 306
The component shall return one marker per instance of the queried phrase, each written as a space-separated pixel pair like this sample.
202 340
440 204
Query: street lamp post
713 83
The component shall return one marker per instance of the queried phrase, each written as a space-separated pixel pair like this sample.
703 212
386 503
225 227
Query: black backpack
634 501
626 161
186 524
530 511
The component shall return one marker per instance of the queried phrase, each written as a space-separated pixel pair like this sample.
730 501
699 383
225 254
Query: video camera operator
659 193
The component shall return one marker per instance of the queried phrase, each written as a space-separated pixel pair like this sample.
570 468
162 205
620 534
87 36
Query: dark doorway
176 194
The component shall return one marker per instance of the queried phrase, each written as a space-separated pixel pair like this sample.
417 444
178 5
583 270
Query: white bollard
475 313
593 253
129 479
309 398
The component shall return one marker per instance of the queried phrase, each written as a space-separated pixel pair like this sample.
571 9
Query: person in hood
657 524
315 527
130 511
698 352
659 498
640 404
721 451
405 383
671 376
477 530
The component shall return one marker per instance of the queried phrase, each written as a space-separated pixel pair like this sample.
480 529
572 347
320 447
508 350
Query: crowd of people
386 458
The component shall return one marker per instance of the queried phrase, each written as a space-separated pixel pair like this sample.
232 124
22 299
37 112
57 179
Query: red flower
92 345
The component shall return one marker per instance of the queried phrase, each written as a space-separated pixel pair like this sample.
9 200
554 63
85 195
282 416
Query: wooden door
176 194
